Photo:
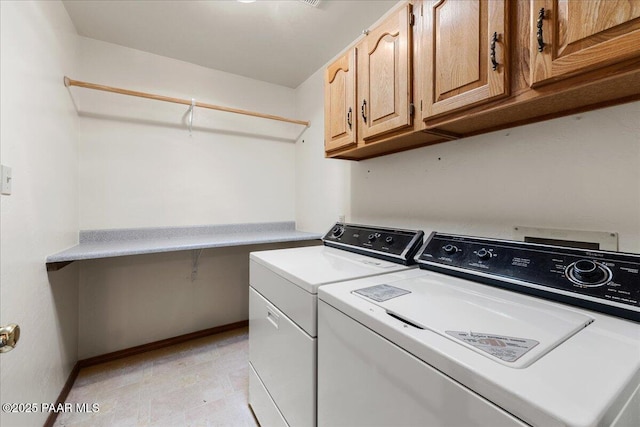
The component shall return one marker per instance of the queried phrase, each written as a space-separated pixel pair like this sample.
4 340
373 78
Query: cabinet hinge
421 105
411 109
412 20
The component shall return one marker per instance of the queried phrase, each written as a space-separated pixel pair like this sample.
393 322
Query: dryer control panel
599 280
390 244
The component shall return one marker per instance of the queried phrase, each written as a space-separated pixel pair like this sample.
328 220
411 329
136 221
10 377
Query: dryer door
284 358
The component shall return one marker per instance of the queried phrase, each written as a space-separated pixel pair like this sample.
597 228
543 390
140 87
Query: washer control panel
390 244
599 280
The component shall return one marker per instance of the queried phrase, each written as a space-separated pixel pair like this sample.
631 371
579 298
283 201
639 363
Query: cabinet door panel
457 51
384 78
581 35
339 103
456 57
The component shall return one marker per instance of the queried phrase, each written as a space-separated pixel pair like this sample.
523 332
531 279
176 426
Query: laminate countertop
96 244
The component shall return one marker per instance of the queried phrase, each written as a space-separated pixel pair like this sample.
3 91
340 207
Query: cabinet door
465 53
384 76
339 103
573 36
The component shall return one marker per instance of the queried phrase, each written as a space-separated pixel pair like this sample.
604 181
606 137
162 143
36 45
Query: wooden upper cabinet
464 50
339 103
573 36
384 76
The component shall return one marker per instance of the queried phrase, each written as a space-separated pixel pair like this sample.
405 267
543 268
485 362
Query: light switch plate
5 184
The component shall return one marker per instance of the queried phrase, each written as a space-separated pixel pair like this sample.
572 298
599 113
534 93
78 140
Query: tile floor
202 382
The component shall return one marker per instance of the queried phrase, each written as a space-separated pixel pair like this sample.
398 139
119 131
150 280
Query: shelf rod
69 82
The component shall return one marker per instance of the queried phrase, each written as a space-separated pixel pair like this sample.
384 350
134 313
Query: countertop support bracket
55 266
195 259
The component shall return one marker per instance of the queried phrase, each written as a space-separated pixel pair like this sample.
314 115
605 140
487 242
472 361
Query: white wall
139 167
578 172
322 185
134 300
38 138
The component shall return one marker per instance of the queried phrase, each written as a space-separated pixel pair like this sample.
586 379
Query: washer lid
514 332
584 381
312 266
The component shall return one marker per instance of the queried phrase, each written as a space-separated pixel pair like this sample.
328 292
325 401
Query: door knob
9 336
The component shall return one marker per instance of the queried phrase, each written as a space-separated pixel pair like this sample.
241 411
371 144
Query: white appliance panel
284 357
367 381
630 414
262 404
312 266
300 305
584 381
535 326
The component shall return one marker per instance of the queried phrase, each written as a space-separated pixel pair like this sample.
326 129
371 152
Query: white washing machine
283 311
439 347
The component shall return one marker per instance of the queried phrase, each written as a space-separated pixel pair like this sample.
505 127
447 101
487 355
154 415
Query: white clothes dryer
283 311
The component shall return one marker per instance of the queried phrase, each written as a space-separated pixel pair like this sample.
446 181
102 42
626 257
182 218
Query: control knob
373 236
588 273
337 231
483 254
450 249
389 240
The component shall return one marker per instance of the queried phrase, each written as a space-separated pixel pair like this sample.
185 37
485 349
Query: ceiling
281 42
